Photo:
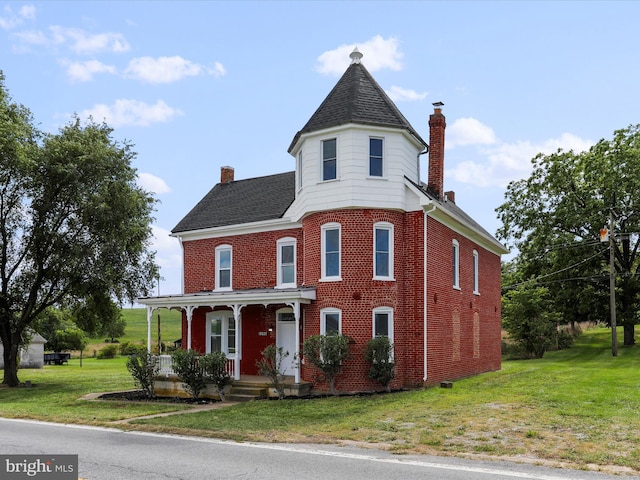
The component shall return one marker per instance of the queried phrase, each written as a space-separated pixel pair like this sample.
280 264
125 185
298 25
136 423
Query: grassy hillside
136 329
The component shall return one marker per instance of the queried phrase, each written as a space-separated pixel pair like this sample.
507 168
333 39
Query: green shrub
326 353
128 348
109 351
195 371
270 366
379 353
144 366
214 365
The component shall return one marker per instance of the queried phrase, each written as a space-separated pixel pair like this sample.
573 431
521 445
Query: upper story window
299 169
331 251
476 278
375 157
383 251
456 264
223 267
329 159
330 321
286 262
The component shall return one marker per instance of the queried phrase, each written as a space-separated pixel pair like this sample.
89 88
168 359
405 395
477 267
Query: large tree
554 218
73 222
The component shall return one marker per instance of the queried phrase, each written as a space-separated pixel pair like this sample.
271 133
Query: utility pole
612 288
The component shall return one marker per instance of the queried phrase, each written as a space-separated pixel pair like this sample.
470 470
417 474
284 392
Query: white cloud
10 19
151 183
168 69
399 94
169 258
378 53
84 71
75 39
469 131
502 163
127 112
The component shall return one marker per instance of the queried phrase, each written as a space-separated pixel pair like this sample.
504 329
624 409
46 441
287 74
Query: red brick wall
455 348
358 294
445 361
254 263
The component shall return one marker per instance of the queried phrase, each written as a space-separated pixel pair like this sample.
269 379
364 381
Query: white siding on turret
354 187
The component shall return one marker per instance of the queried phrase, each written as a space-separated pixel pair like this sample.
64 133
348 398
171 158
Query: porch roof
211 298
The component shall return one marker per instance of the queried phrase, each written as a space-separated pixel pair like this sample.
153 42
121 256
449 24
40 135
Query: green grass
57 391
136 329
578 407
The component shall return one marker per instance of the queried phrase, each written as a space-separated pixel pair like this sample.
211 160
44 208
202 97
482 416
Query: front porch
246 388
240 324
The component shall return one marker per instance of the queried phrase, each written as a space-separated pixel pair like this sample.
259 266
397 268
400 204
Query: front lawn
580 407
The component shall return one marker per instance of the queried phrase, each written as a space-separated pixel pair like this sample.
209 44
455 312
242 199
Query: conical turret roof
356 98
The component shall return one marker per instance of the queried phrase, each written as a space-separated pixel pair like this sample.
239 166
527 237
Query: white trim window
330 321
329 159
224 257
456 264
383 251
476 272
331 251
286 262
383 322
376 165
221 332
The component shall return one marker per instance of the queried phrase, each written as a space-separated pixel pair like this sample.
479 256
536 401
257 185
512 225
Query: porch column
296 314
149 316
237 316
189 309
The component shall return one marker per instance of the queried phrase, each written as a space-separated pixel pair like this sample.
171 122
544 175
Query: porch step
244 392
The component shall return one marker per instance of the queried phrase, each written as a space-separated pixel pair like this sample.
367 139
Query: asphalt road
113 454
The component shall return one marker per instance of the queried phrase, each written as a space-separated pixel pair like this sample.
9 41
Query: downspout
424 290
182 269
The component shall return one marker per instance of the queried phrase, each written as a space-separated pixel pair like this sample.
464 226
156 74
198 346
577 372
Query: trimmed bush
144 366
379 353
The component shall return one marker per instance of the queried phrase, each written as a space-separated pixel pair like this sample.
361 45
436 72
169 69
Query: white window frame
381 158
456 264
323 236
382 310
219 250
476 273
322 159
286 242
389 227
323 319
224 316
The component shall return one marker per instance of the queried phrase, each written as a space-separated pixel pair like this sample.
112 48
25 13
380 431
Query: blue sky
199 85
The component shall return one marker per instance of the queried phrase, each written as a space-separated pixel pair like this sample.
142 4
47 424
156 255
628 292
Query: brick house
353 242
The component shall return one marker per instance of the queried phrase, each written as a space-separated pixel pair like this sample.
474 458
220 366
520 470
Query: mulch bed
139 396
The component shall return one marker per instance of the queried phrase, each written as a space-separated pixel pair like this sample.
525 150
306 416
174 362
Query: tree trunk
11 366
629 335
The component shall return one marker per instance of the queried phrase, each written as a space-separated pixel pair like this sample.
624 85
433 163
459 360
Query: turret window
375 157
329 160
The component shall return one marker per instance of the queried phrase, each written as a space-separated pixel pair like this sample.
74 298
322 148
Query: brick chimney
226 174
437 124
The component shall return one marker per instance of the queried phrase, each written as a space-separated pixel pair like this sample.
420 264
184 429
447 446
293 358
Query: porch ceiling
265 296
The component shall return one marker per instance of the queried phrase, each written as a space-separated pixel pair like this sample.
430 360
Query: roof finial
355 56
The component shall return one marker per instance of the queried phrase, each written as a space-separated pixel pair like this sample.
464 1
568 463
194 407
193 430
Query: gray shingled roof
242 201
356 98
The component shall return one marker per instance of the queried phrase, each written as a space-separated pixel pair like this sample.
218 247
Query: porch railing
166 365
